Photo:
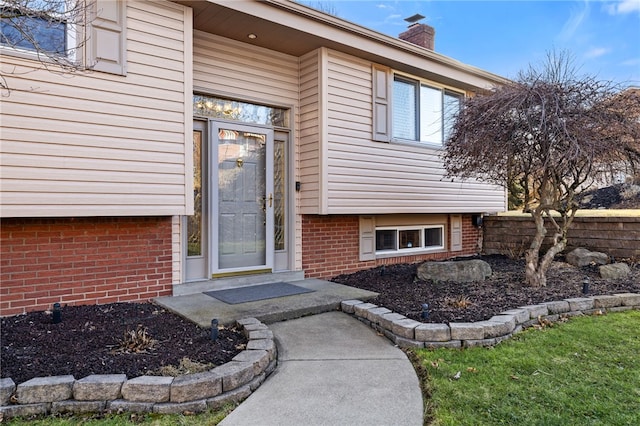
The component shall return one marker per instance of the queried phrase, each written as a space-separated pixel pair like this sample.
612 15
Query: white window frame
420 133
71 47
413 250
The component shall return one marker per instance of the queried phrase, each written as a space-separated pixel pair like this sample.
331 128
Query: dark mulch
87 342
619 196
401 292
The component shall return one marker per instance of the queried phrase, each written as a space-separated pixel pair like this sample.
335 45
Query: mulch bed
401 291
89 341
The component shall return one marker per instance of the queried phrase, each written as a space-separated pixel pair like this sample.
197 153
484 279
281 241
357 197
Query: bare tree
323 6
52 29
551 133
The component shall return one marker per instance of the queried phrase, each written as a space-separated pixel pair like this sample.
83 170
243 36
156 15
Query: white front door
242 198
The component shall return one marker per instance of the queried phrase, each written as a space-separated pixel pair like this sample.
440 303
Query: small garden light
425 311
57 313
214 329
585 285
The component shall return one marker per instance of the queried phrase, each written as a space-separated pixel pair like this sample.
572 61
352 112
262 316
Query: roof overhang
292 28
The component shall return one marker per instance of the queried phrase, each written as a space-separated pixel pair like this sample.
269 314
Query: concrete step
236 281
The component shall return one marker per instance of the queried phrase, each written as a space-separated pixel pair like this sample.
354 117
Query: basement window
409 239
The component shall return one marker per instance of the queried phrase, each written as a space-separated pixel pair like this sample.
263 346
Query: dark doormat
253 293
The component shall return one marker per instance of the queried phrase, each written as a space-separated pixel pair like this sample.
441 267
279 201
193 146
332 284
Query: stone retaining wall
408 333
616 236
230 382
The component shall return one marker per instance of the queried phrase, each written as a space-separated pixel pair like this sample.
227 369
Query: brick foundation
330 246
83 261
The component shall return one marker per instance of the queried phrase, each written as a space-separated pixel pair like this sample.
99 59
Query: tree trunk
533 277
536 268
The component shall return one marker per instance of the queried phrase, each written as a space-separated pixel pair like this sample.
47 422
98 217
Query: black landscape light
214 329
585 285
425 311
383 270
57 313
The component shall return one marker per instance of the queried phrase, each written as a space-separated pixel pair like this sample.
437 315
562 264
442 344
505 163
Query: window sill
412 252
31 55
406 142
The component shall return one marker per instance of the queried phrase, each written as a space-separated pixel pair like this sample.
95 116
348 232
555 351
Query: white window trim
71 29
420 82
414 250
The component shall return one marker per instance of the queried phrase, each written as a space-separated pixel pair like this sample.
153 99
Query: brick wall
616 236
330 246
79 261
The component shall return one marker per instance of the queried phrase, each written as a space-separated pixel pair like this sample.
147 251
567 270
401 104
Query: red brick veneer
330 246
81 261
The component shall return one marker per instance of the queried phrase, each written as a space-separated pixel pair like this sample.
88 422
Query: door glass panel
279 185
194 223
241 198
209 106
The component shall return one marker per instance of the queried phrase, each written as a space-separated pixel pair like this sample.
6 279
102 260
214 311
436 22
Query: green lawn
210 418
582 372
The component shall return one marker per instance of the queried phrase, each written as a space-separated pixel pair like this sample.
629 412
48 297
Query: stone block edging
407 333
230 382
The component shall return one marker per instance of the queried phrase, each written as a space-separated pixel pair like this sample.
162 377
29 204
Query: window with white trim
41 26
422 112
403 239
69 33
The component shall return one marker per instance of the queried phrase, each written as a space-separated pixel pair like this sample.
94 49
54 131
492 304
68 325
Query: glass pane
430 115
241 199
386 239
433 237
409 238
194 223
279 184
404 110
227 109
45 35
452 102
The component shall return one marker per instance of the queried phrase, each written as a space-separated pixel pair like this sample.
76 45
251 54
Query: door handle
270 200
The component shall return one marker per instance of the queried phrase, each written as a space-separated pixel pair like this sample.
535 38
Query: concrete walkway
333 370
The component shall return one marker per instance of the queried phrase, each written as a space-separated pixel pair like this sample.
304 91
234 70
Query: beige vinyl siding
96 144
367 177
309 156
226 67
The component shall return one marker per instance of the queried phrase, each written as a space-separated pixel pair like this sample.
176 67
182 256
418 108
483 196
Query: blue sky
504 37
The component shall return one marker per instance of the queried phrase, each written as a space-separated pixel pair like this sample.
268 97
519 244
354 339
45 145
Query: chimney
421 34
